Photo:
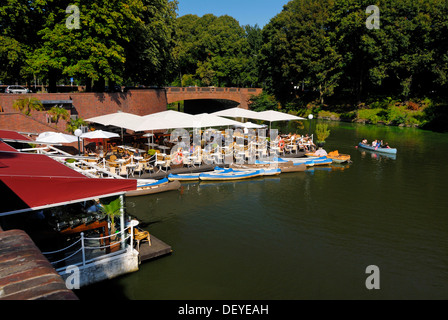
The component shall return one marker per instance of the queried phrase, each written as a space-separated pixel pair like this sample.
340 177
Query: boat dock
157 249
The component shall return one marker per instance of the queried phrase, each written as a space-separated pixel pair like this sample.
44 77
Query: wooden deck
179 169
157 249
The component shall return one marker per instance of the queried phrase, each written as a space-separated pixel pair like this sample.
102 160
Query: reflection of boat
154 187
231 175
336 157
378 155
382 150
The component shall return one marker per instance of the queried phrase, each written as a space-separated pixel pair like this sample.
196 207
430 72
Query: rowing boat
154 187
376 149
231 175
321 162
279 162
336 157
295 168
184 177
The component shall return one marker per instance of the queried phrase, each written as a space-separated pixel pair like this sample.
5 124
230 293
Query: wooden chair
141 236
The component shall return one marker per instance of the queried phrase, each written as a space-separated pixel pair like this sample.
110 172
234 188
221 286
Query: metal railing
83 248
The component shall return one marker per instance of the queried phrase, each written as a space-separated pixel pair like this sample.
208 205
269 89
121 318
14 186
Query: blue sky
245 11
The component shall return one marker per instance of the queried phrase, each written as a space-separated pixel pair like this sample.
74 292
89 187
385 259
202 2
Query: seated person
320 152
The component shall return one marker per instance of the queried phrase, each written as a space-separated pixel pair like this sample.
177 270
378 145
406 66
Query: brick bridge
239 95
89 104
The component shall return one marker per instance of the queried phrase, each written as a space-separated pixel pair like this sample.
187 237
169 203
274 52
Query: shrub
322 132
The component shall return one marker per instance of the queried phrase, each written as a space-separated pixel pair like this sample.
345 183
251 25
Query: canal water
305 235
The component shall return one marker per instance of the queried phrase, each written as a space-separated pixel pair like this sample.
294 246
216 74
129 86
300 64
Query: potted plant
322 133
112 208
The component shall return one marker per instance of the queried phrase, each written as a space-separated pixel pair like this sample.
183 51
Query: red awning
12 135
6 147
34 181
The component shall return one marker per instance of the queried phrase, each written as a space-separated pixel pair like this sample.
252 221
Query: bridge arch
239 95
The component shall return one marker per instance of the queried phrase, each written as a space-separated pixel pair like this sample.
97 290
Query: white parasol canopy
239 113
271 115
204 120
119 119
55 137
99 134
250 125
169 119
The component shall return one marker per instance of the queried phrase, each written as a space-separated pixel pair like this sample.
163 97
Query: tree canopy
313 49
116 41
216 51
325 46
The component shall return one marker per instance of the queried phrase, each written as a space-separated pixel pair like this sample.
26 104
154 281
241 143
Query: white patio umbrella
122 120
239 113
55 137
204 120
99 134
272 115
164 120
250 125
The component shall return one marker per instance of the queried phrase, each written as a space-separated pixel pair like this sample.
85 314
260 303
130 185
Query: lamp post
78 133
310 117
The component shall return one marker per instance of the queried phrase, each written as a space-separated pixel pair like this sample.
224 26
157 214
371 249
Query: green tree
215 51
129 39
299 47
263 102
26 105
58 113
74 124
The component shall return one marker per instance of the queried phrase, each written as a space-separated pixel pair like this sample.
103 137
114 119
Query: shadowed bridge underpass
210 99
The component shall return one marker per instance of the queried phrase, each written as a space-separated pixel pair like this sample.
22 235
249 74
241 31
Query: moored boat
295 168
155 187
183 177
231 175
336 157
321 162
377 149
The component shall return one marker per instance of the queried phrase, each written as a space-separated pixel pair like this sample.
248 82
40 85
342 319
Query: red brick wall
87 105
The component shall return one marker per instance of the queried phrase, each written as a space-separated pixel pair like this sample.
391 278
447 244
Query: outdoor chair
140 168
162 162
141 236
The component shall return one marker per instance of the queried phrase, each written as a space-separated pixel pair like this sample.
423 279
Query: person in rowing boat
320 152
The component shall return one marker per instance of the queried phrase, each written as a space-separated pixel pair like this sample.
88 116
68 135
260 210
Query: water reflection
307 235
376 155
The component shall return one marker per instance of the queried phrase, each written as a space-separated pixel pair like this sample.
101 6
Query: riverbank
425 113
